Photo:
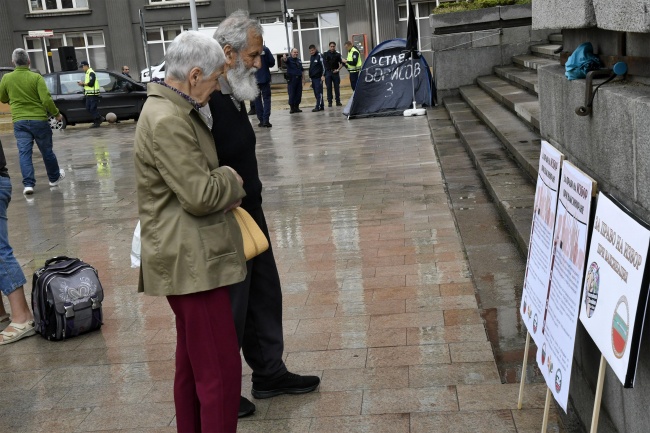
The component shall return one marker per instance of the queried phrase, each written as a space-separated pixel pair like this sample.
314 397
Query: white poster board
615 291
555 354
536 280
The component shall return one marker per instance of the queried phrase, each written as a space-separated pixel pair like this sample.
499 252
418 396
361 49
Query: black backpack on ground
66 298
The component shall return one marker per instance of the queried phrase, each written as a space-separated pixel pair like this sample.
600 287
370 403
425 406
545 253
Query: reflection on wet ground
378 296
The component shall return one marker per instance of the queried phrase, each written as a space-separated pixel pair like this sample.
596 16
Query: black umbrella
412 52
412 33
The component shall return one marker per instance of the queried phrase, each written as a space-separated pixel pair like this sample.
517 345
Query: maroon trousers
207 384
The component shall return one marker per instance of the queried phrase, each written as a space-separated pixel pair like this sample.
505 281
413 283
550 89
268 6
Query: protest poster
533 298
615 290
556 344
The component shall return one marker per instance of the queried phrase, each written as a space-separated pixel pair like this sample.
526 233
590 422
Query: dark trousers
91 107
354 77
207 383
263 102
332 78
317 85
257 309
294 86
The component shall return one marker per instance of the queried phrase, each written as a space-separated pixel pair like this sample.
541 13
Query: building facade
108 33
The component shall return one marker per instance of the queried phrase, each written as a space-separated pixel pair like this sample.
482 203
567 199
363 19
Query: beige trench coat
188 243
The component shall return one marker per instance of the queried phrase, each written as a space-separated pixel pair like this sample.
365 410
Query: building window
56 5
88 46
422 12
319 29
269 20
159 38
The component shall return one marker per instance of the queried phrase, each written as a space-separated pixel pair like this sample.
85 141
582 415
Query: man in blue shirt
294 80
316 71
263 100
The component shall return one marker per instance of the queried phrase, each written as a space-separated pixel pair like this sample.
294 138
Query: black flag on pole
412 33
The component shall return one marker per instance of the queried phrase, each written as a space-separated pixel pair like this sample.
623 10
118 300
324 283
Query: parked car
118 94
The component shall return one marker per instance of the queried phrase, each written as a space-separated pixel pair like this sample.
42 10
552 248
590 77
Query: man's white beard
242 82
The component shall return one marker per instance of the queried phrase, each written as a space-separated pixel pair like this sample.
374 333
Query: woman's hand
239 179
233 205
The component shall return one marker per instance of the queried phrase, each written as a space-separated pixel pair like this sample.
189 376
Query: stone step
555 38
511 189
532 62
520 141
519 101
546 50
521 77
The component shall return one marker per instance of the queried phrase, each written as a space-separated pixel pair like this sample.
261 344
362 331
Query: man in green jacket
30 102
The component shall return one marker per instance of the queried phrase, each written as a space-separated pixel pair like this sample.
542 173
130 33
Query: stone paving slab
374 275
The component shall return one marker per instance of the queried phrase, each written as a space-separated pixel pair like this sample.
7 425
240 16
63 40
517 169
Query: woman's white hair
20 57
192 49
234 30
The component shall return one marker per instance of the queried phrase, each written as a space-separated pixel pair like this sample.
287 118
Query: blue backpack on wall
582 61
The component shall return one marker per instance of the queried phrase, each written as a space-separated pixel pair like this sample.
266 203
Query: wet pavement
379 300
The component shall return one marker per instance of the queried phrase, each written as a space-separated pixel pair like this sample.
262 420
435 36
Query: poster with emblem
557 339
536 279
615 290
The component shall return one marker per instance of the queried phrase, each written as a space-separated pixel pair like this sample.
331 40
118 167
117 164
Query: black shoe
338 104
267 125
298 110
246 408
95 125
260 124
251 112
289 383
315 110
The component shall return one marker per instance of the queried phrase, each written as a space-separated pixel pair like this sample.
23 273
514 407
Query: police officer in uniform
91 93
316 70
294 80
353 63
333 65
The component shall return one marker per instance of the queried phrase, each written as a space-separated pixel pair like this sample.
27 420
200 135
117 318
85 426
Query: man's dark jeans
331 77
263 102
91 107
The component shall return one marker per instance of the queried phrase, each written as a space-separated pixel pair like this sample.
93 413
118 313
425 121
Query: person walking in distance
316 70
91 93
353 63
333 65
30 102
257 301
263 77
12 278
294 80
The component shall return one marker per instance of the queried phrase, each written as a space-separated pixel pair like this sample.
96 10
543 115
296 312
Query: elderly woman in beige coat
191 243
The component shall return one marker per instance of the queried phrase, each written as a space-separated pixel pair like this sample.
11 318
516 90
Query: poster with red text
615 290
555 345
540 247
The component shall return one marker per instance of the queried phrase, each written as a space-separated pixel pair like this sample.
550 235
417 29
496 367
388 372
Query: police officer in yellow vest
353 63
91 92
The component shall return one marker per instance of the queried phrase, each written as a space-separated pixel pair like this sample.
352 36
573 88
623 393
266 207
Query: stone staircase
498 121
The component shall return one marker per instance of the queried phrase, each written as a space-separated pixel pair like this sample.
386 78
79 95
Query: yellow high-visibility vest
352 68
91 90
